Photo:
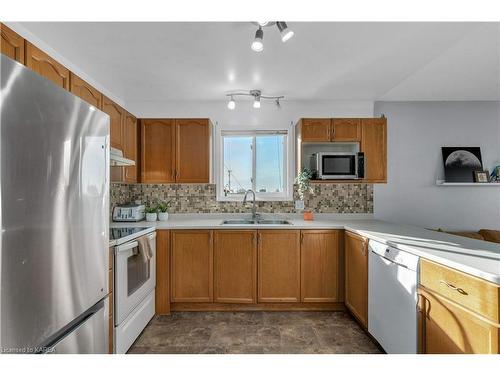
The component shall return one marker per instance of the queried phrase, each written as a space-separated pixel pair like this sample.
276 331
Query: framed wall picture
481 176
460 163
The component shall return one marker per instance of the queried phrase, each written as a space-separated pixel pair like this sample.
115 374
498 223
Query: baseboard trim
185 306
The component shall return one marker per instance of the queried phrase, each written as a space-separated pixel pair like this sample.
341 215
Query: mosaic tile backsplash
201 198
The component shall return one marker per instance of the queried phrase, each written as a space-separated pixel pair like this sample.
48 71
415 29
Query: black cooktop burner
117 233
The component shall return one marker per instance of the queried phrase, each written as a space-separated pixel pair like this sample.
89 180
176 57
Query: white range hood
116 159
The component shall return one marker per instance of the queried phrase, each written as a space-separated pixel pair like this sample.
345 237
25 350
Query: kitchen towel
145 248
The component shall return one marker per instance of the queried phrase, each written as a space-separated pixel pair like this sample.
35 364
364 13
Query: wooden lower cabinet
191 266
356 276
320 260
162 292
279 266
448 328
235 266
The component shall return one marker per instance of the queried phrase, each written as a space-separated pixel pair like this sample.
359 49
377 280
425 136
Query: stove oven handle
130 245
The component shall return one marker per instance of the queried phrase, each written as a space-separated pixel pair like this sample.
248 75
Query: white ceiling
327 61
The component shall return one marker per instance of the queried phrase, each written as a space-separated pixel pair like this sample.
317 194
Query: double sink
256 222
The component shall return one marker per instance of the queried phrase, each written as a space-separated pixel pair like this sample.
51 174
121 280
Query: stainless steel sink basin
238 222
254 222
274 222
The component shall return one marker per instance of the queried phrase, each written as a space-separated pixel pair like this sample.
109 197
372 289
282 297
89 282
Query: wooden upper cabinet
192 150
235 266
346 130
12 44
374 145
191 266
279 266
116 118
321 276
46 66
85 91
316 130
356 276
448 328
157 151
130 147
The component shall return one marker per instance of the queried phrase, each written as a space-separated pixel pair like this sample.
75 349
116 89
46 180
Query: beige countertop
478 258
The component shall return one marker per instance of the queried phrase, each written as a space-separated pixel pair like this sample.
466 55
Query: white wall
416 133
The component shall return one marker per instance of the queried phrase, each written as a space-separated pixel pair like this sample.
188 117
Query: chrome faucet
254 208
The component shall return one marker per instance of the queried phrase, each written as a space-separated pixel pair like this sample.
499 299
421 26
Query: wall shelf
483 184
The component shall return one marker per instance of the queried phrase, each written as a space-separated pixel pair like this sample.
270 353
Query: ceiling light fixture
257 96
256 101
231 104
286 33
258 42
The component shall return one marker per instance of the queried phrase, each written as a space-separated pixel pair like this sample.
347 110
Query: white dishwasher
392 298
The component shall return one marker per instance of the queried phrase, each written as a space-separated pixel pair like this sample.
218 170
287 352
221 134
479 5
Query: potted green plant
303 186
151 212
163 210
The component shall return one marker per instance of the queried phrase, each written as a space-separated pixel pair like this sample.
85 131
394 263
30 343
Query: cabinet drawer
469 291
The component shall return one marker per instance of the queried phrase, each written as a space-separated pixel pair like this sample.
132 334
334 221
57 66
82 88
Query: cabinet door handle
255 239
260 238
302 238
453 287
332 131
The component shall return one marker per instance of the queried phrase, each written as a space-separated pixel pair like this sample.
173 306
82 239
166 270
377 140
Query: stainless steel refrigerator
54 216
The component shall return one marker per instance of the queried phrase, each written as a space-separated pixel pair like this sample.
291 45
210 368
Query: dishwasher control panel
402 258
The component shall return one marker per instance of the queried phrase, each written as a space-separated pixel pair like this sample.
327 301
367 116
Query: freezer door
54 211
89 337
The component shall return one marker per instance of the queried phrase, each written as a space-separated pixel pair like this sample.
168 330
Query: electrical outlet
299 205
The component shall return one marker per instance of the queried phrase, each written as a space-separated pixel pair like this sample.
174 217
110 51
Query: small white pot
151 217
163 216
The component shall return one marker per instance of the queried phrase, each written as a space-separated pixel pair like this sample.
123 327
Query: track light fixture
285 32
231 104
257 96
256 101
258 42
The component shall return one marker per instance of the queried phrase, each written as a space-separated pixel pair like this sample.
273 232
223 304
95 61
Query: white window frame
286 195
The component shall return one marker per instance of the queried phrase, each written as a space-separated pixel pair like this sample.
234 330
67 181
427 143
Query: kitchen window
255 160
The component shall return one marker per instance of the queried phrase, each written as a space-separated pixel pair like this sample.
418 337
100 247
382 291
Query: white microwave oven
338 165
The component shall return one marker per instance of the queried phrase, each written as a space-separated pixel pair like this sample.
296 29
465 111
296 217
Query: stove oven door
134 278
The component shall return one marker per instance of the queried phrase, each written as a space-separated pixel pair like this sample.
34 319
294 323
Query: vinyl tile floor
254 333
